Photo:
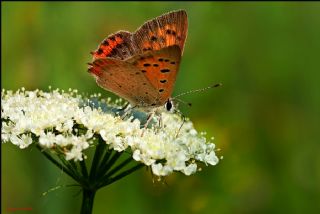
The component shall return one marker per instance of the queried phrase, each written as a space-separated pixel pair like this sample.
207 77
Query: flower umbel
64 125
69 123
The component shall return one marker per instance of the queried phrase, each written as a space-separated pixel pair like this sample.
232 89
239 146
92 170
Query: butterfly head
169 105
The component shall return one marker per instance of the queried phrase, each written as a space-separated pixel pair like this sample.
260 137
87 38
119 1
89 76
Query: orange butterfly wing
164 31
144 80
160 68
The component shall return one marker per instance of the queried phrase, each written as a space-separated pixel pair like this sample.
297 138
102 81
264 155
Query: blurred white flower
47 139
70 122
23 141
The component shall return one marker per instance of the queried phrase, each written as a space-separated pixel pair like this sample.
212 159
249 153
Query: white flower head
70 122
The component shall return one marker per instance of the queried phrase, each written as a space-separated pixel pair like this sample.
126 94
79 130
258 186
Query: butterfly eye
168 105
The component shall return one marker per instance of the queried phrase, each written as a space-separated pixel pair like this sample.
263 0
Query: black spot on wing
164 70
105 43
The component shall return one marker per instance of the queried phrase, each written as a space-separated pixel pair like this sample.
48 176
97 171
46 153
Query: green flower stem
117 168
74 167
87 200
96 158
121 175
71 167
104 161
83 168
106 167
107 156
55 162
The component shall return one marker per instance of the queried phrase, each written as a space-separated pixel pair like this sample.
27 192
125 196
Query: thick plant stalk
87 200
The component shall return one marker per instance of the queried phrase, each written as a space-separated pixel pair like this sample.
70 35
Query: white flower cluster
52 119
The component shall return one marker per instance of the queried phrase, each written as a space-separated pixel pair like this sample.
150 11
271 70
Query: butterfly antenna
183 102
198 90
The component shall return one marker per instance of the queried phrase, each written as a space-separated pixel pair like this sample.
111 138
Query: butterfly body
142 67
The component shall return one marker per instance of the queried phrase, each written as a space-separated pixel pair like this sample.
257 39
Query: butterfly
142 67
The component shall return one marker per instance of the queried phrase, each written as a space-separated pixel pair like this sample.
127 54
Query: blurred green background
265 118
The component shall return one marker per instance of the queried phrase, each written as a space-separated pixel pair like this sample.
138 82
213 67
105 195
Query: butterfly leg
149 118
183 121
127 110
125 107
160 121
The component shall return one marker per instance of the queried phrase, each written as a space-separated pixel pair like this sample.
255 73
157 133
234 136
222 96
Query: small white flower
22 141
66 126
160 170
193 132
211 158
192 168
47 140
6 131
136 155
